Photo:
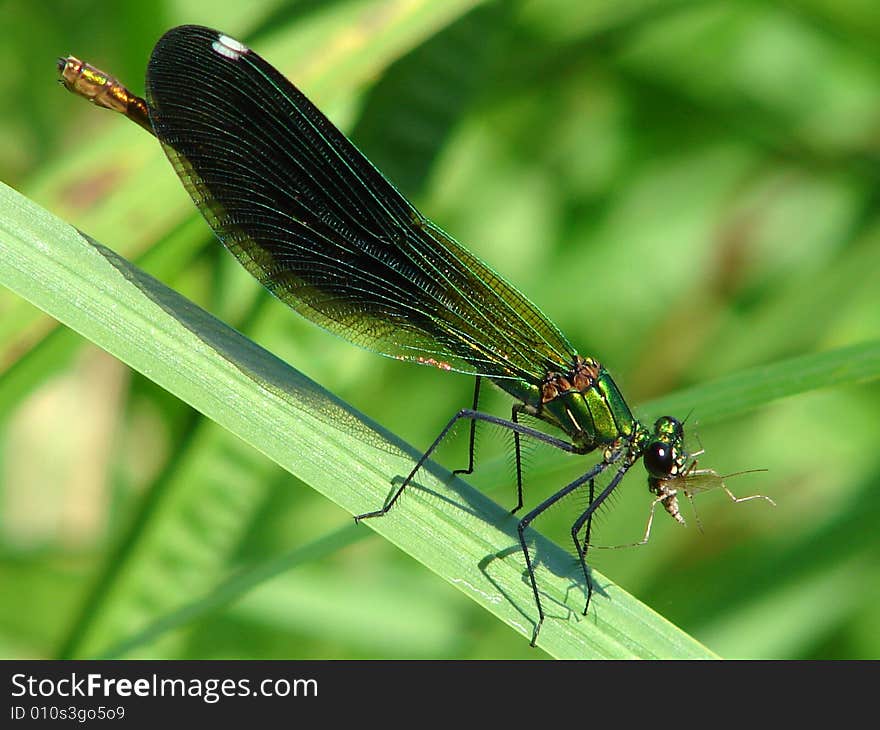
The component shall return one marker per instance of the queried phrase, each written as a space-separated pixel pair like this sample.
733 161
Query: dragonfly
310 217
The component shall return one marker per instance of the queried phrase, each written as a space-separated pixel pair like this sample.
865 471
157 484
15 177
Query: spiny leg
473 433
477 416
514 413
590 518
543 507
582 549
587 517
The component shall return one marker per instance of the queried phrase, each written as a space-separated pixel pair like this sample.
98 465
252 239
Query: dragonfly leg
543 507
475 416
581 546
587 518
476 405
590 518
514 413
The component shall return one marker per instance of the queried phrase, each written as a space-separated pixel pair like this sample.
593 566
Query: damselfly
320 227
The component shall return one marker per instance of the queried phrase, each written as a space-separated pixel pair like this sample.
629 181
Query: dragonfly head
665 455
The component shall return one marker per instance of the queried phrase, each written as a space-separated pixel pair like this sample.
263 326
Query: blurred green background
686 189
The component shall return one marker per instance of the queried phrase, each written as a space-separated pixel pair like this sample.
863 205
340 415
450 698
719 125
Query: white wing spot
229 47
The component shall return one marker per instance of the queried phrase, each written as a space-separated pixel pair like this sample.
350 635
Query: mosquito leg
737 500
644 539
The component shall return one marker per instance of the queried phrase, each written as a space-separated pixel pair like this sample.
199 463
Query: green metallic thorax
585 403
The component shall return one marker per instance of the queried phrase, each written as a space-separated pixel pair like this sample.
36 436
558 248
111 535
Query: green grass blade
758 386
448 526
236 586
180 544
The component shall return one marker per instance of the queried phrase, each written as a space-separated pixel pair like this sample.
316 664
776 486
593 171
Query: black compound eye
659 459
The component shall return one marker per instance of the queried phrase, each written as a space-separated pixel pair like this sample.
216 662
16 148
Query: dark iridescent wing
311 218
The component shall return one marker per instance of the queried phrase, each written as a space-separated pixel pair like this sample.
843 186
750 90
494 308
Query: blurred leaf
756 387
